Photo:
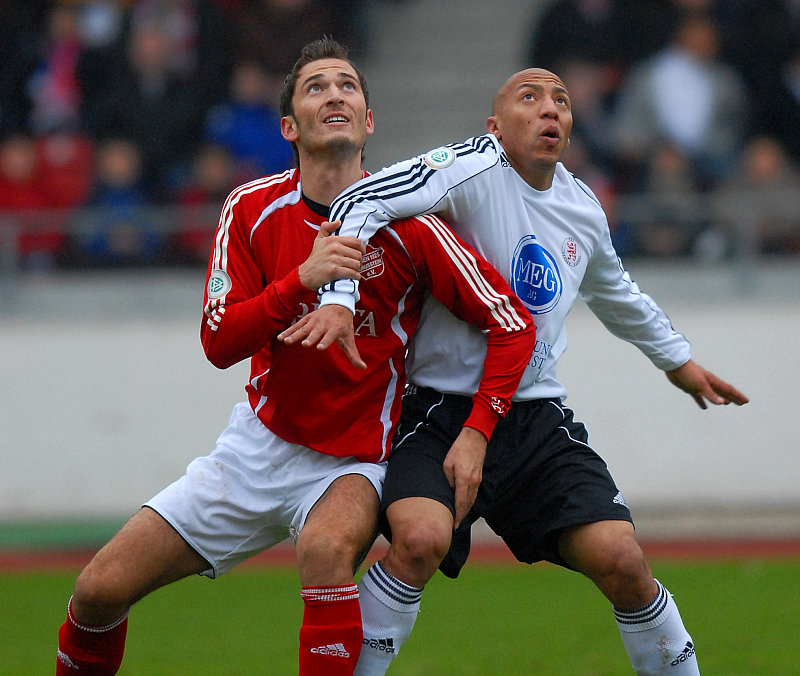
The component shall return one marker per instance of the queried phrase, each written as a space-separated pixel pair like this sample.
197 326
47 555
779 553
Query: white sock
389 609
655 639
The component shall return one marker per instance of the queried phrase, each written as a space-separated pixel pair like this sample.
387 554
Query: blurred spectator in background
760 38
146 96
784 111
121 230
683 96
759 203
665 219
587 90
611 35
66 161
248 123
21 24
20 187
214 176
196 31
26 202
200 43
53 89
272 32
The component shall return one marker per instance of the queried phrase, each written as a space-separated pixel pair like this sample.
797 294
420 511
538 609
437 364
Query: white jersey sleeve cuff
348 300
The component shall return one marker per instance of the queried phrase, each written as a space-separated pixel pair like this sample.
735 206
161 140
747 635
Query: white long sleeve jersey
552 246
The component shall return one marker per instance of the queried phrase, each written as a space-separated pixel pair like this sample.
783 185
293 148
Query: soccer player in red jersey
304 457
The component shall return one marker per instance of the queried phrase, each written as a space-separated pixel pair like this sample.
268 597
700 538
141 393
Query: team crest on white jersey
440 158
219 283
571 252
535 277
372 262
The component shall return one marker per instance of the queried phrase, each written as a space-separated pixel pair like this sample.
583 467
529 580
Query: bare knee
338 532
625 578
329 555
146 554
99 596
421 536
608 554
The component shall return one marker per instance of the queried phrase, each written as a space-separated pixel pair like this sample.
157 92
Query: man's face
532 117
330 113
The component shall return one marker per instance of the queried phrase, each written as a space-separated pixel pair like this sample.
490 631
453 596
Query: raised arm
435 181
632 315
420 185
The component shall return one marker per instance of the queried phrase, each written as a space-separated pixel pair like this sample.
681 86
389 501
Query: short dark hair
324 48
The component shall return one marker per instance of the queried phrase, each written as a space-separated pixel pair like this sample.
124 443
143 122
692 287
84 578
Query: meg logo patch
219 283
535 277
440 158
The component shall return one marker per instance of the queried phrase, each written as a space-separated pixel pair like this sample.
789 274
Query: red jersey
317 398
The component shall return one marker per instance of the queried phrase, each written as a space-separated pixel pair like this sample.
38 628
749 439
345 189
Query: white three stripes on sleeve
499 304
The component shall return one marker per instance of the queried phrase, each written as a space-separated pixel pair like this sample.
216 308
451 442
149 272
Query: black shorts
539 477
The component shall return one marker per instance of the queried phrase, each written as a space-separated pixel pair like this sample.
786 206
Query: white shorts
252 492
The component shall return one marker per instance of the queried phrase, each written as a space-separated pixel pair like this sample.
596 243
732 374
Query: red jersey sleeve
243 310
475 292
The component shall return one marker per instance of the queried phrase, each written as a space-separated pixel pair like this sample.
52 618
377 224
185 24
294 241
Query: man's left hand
703 385
323 327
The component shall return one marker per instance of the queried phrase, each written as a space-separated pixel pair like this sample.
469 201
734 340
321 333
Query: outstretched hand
463 467
703 385
331 258
323 327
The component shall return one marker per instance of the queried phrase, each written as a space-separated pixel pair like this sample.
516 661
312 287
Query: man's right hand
331 258
323 327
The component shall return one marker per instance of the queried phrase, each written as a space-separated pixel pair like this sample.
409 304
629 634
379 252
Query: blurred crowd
121 118
687 119
109 108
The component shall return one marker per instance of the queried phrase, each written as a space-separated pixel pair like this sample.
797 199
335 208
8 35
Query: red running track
486 553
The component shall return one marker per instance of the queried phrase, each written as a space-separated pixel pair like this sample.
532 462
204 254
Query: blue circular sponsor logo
535 277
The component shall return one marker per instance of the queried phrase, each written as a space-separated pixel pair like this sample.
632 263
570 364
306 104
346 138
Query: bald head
522 79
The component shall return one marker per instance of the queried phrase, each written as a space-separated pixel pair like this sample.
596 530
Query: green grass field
496 620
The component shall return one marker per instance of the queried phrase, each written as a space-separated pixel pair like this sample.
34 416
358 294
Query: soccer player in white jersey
544 490
304 456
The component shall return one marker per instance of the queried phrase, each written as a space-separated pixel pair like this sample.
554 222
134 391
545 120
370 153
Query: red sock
331 635
90 651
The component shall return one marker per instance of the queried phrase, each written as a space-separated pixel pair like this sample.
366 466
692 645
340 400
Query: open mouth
551 136
333 119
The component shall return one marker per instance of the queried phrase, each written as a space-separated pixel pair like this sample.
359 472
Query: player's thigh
430 423
338 530
147 553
